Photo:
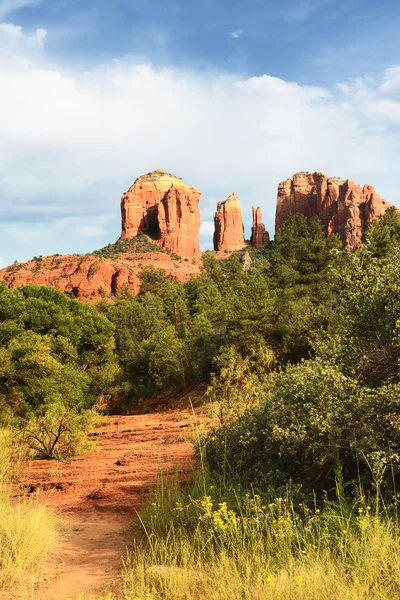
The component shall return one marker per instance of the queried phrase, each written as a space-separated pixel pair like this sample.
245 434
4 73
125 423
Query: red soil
97 496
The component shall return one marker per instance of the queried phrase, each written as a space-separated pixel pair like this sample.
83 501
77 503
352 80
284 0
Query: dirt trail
97 496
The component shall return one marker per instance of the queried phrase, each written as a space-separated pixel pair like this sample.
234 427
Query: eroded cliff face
228 225
259 236
166 209
343 206
91 277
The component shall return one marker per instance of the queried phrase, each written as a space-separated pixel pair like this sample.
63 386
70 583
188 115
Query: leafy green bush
53 350
311 418
235 386
337 411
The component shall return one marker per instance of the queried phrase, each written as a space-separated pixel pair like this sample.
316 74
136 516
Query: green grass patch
208 541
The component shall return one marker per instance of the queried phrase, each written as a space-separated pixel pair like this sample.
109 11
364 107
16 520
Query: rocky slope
105 273
343 206
166 209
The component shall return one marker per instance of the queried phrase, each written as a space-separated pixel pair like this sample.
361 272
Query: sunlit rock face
228 225
343 206
166 209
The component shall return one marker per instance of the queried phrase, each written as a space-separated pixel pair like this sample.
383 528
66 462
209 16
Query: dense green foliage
337 412
171 335
57 360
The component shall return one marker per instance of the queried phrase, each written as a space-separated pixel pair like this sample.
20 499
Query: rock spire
259 237
228 225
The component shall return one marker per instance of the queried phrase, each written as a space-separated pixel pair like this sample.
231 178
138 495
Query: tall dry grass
28 531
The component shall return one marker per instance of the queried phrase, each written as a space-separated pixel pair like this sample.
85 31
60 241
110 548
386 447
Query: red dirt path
97 496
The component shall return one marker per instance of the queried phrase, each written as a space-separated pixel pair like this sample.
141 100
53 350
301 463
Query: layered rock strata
91 278
166 209
343 206
228 225
259 236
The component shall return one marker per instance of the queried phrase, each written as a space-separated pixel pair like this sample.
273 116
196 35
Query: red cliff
99 275
343 206
228 225
259 237
166 209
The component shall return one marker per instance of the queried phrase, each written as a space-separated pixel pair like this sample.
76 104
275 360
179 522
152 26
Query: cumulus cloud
9 6
15 45
207 228
236 34
73 142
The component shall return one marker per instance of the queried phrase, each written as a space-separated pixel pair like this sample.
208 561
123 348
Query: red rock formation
343 206
160 205
92 278
228 225
166 209
259 237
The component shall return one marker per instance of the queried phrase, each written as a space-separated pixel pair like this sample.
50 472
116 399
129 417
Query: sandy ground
97 496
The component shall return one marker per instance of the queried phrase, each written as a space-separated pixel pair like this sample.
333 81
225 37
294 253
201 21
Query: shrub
311 419
59 433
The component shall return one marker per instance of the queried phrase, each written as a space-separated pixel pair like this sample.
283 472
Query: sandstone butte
228 225
343 206
166 209
158 205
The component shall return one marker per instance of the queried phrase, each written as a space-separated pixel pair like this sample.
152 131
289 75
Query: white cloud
236 34
9 6
207 228
90 231
72 142
15 45
2 263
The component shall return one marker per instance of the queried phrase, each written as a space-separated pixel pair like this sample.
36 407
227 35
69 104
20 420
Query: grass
28 531
206 541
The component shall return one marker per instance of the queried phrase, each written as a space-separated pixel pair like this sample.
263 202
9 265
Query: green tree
168 360
383 235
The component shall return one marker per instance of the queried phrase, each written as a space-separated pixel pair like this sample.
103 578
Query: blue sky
231 96
303 40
